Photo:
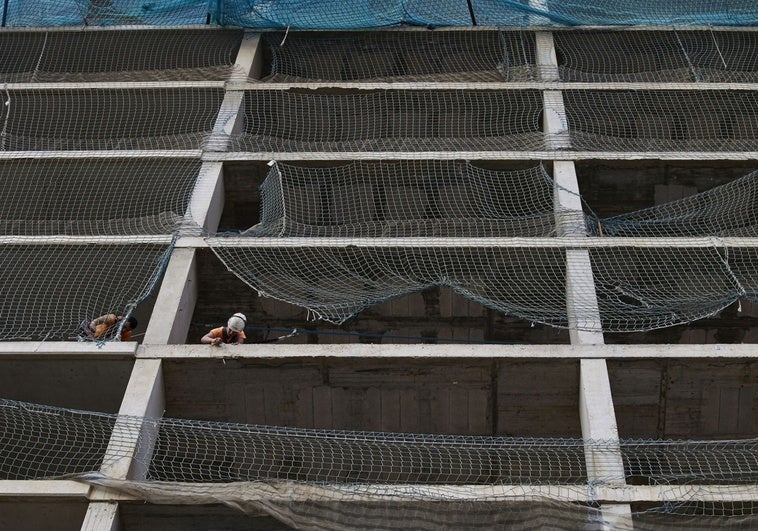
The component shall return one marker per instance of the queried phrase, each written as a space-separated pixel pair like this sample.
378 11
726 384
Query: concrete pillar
175 303
143 398
596 410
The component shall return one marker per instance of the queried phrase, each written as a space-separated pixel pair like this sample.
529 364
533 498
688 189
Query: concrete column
143 398
174 306
172 313
596 412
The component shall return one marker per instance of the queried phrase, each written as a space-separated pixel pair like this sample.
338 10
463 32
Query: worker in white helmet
233 333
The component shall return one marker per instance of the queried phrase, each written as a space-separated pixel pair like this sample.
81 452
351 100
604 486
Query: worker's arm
109 319
208 339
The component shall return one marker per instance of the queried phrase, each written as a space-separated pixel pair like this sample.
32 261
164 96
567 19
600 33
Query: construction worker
105 327
232 333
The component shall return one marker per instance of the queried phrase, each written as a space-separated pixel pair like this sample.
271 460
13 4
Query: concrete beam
547 60
207 201
598 420
67 350
102 154
541 154
537 154
115 85
563 242
45 489
548 81
360 351
144 397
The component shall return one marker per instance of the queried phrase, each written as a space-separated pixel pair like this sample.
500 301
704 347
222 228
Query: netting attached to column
638 287
336 283
644 289
91 56
103 119
389 120
744 266
405 198
94 196
47 290
340 477
673 120
726 210
475 56
683 56
469 120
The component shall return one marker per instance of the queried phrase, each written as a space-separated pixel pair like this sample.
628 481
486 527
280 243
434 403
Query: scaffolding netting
726 210
118 55
490 56
495 120
636 288
107 119
405 198
655 56
47 290
291 472
358 218
645 289
390 120
649 120
351 14
477 56
94 196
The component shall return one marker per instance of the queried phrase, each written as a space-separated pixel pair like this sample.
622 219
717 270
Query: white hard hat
237 322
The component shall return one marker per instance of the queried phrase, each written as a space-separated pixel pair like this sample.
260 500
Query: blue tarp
349 14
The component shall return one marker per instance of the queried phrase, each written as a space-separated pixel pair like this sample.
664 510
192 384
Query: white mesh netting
402 56
47 290
677 56
119 55
95 196
380 232
341 478
388 120
491 56
126 119
405 206
497 120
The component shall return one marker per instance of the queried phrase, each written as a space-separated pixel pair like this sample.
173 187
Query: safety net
655 56
343 478
649 120
510 56
389 120
405 199
48 290
118 55
495 120
126 119
350 14
378 230
96 196
401 56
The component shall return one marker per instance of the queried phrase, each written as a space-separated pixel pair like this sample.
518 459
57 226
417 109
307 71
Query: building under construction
498 263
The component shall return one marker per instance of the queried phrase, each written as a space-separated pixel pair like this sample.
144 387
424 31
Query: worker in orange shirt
233 333
105 327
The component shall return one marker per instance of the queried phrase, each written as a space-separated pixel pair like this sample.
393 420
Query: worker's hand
216 341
